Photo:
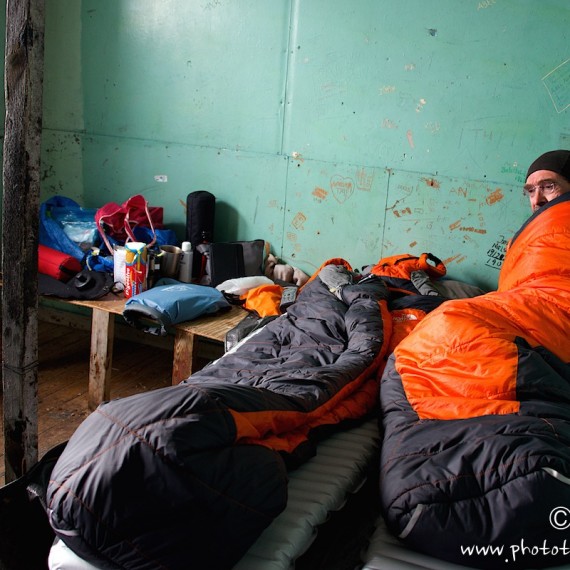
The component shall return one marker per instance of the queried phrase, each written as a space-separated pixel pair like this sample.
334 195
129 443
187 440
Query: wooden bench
212 328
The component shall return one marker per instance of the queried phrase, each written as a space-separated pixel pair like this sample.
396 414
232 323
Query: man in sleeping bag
547 178
475 462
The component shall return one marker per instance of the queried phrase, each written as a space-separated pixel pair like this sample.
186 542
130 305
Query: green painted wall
330 128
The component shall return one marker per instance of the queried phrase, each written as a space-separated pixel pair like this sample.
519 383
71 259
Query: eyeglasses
546 188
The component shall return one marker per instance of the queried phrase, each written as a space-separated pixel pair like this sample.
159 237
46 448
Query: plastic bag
78 225
66 226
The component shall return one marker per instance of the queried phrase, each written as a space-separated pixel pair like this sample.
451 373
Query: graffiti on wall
363 214
557 83
465 223
496 253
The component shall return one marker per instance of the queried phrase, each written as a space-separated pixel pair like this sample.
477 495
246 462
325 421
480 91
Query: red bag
57 264
118 221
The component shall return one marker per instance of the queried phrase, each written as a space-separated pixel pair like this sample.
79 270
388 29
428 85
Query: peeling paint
403 212
432 182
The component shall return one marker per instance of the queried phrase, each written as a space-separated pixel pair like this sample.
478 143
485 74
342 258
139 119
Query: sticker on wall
557 83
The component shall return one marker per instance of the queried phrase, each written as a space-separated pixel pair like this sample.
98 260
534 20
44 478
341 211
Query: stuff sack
66 226
231 260
264 301
200 216
170 302
55 263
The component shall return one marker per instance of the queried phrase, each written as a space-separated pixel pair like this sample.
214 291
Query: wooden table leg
101 359
183 362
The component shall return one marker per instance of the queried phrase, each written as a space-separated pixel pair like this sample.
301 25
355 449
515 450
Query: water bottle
185 271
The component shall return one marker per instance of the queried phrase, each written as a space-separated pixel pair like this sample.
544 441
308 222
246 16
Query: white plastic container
185 271
119 253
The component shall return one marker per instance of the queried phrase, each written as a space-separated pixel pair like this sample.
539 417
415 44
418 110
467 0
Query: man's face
544 185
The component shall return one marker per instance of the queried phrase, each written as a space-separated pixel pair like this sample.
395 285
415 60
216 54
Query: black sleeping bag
188 476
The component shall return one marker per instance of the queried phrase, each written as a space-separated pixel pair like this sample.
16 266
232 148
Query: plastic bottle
185 271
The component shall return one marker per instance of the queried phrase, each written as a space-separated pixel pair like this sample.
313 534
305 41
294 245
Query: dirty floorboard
63 380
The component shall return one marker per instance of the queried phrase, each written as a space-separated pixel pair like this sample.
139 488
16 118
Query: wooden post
23 82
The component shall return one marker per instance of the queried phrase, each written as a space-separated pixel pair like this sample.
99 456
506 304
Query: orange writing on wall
494 197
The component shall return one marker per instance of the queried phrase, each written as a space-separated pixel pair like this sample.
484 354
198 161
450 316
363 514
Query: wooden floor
63 380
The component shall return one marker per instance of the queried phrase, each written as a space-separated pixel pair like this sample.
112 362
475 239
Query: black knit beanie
555 160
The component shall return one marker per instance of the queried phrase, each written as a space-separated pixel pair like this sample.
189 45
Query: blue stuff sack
171 302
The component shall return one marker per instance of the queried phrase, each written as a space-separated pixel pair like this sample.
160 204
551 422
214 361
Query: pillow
242 285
